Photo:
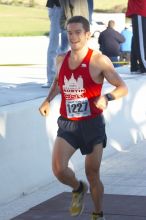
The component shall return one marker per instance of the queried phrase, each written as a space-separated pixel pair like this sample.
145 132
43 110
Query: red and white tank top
78 90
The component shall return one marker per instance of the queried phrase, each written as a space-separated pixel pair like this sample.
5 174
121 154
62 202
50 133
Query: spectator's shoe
77 204
47 85
95 216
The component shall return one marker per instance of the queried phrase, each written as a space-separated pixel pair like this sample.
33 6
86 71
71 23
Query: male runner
80 77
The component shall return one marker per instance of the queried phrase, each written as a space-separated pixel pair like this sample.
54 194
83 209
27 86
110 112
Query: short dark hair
111 23
80 19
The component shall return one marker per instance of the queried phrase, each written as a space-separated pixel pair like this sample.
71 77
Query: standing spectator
109 41
136 10
126 46
54 13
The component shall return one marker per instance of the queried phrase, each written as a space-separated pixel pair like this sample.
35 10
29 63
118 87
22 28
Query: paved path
23 50
116 207
19 84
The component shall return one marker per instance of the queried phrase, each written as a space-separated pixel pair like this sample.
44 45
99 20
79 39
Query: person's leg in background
90 7
64 46
133 58
142 43
54 16
135 46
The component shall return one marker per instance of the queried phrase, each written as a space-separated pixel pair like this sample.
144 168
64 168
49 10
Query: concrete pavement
19 84
116 207
23 50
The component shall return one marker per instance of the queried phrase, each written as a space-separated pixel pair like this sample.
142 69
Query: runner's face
77 36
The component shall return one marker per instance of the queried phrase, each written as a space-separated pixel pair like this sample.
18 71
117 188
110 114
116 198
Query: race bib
78 108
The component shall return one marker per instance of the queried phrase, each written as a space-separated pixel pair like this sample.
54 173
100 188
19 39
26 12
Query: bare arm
54 91
114 79
45 106
110 74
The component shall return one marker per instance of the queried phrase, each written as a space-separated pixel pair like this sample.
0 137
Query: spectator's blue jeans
90 6
64 42
54 16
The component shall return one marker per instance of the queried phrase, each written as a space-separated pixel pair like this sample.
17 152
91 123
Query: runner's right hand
44 108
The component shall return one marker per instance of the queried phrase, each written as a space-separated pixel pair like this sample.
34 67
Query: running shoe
77 204
96 217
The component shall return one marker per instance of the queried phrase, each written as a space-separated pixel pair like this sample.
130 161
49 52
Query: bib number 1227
77 108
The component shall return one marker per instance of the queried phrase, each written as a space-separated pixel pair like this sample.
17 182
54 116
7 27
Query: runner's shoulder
98 57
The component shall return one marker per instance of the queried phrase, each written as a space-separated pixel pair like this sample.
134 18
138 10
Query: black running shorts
84 134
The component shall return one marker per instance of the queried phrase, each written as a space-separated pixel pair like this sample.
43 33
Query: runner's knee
58 171
92 175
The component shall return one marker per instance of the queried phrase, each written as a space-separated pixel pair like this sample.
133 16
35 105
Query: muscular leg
92 168
62 152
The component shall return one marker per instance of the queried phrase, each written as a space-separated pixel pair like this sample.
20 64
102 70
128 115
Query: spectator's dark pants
138 46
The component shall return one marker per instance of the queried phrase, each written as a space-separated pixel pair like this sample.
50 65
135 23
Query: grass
112 6
28 21
23 21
